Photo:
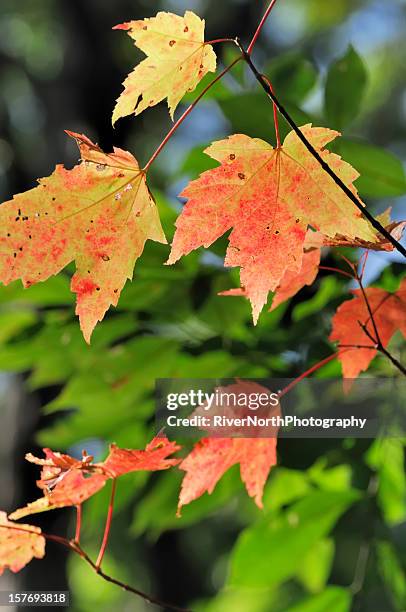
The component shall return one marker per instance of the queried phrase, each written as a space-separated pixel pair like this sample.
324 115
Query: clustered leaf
66 481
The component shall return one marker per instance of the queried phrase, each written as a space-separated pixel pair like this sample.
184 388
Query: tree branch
263 82
377 340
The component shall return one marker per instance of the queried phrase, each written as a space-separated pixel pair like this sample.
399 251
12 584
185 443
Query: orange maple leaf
292 282
99 214
212 457
178 58
389 312
19 544
269 197
67 481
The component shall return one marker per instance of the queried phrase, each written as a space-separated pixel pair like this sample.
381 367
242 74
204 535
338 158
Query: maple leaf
269 197
212 457
380 243
292 282
99 214
67 481
122 461
389 311
177 59
19 544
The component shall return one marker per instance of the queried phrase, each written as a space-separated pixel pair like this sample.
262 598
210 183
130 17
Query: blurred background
332 535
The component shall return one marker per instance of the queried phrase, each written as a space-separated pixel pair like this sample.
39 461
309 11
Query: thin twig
337 270
305 374
186 113
377 340
76 548
78 522
260 26
263 82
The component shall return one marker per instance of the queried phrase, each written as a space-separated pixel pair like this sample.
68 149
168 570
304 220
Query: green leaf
345 87
292 76
329 288
392 573
381 173
333 598
387 457
316 566
252 114
273 550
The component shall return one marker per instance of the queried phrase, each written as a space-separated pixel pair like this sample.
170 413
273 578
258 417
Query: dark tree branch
268 90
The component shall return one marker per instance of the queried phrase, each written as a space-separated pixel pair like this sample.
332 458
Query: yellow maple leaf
177 60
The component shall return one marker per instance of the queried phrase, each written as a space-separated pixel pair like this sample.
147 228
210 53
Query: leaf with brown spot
19 544
283 192
389 311
99 214
177 60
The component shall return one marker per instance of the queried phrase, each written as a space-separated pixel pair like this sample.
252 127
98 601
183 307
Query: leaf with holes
389 313
67 481
269 197
19 544
99 214
177 60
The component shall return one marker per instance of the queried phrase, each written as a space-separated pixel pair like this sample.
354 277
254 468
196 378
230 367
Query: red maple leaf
389 313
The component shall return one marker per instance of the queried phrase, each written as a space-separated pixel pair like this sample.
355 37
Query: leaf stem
305 374
219 40
108 525
264 84
186 113
78 522
275 117
260 26
337 270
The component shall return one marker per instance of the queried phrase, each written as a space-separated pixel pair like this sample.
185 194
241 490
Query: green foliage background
332 534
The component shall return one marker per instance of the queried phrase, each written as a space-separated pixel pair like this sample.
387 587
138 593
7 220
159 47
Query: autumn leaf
269 197
177 60
122 461
389 312
99 214
19 544
380 243
212 457
292 282
67 481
